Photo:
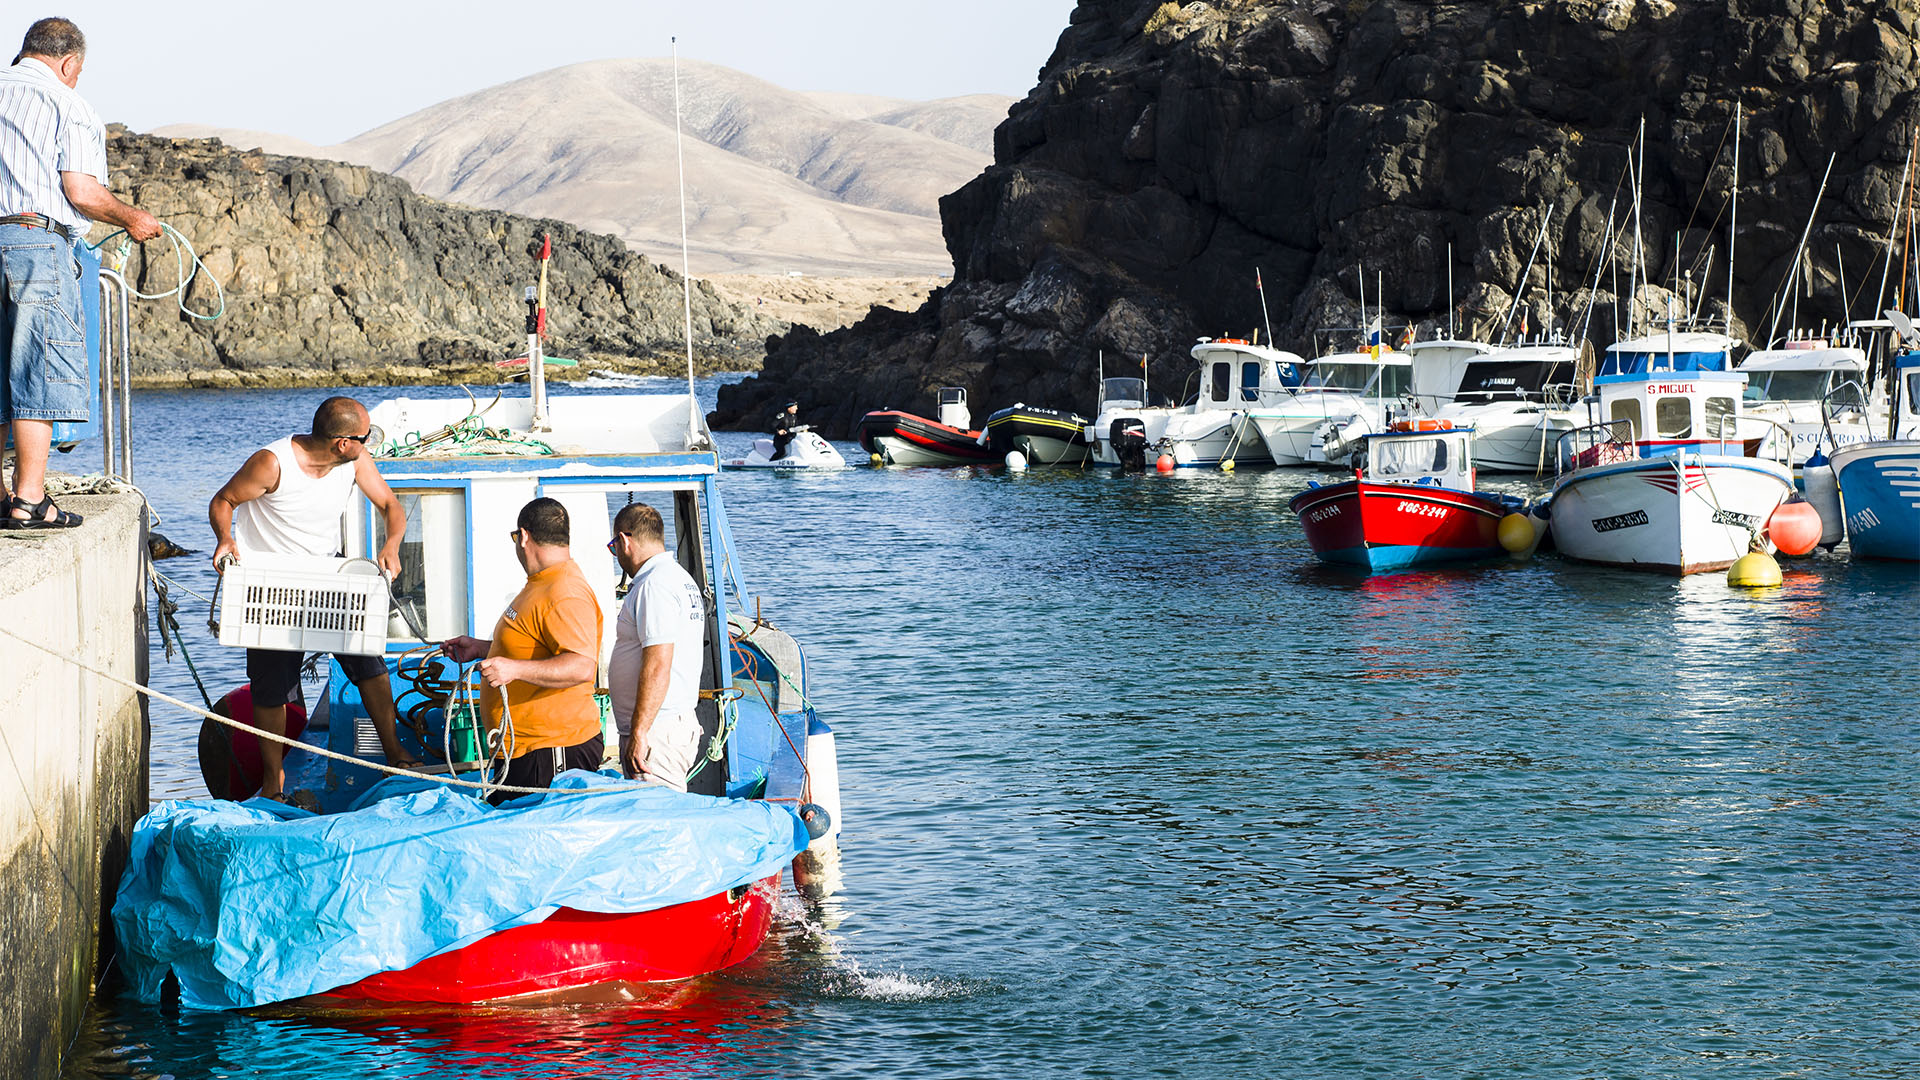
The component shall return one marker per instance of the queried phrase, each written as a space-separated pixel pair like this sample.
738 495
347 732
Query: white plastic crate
304 604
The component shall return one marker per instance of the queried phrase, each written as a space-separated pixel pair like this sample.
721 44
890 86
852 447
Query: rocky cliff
1169 151
338 274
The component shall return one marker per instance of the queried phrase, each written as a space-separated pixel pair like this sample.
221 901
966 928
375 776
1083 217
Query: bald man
288 499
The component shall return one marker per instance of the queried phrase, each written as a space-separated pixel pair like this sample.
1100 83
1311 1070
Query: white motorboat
1786 385
1216 426
807 451
1343 397
1659 478
1505 396
1438 367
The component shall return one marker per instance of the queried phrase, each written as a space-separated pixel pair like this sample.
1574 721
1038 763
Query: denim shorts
43 370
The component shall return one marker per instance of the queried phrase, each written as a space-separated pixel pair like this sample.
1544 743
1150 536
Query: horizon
147 69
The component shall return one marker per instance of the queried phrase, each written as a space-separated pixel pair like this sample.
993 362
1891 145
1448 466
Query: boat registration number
1729 517
1422 509
1324 513
1620 521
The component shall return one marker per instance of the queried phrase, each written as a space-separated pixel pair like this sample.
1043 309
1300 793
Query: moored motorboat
1786 385
1341 398
1879 481
1659 479
1412 503
1217 426
1045 436
1505 397
893 437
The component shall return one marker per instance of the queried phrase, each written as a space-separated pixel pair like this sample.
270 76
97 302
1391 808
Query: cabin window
1395 381
1673 418
1222 380
1250 380
1625 418
1913 393
1721 423
432 585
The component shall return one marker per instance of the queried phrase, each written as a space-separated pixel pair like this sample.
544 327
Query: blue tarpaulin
251 903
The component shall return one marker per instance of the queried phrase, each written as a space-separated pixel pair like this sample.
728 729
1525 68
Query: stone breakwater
339 275
1169 150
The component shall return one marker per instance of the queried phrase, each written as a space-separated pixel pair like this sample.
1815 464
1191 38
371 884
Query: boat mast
1639 252
1450 330
686 277
1733 222
1268 319
1793 275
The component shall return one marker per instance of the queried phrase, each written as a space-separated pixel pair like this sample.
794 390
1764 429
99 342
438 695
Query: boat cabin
1236 374
1671 351
1632 416
1437 367
1801 371
1525 373
1427 452
1361 373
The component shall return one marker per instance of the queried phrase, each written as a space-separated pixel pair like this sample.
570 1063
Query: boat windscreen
1409 458
1633 363
1509 380
1354 377
1787 385
1119 391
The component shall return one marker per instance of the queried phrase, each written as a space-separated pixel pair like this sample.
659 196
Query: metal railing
116 377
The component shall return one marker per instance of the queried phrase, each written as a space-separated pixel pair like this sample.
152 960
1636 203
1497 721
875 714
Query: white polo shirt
46 128
663 606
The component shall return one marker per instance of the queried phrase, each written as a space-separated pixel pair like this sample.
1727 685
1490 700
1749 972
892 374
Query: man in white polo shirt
654 676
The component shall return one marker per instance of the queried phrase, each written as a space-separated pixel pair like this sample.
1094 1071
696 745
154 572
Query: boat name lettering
1669 388
1325 512
1729 517
1423 509
1620 521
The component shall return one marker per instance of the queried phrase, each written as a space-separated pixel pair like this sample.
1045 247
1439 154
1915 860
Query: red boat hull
1397 526
573 950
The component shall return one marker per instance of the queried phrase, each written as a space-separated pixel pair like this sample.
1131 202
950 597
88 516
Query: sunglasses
613 542
514 536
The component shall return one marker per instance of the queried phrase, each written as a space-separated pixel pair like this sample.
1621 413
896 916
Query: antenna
1261 286
686 275
1450 330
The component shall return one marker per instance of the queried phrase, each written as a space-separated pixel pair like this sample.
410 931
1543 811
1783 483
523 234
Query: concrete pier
73 766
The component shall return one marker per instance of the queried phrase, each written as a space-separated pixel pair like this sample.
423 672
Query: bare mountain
777 180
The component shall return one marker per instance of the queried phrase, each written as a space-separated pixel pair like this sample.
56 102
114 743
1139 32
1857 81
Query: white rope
295 743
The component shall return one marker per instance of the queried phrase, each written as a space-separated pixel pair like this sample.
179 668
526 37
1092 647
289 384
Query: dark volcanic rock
335 272
1170 150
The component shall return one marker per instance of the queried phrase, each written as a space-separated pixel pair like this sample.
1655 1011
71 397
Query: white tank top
301 516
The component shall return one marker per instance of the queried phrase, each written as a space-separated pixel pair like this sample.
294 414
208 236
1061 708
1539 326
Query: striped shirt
46 128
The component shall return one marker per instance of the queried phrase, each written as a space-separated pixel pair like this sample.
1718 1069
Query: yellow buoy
876 459
1755 569
1226 465
1516 533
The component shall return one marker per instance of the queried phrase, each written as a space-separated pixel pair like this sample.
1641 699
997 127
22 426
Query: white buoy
1016 461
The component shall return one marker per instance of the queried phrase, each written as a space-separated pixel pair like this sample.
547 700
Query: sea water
1132 786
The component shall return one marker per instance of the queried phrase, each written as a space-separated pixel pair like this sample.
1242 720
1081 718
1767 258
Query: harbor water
1133 787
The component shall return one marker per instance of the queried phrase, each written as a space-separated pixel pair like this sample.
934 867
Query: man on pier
543 658
53 176
288 499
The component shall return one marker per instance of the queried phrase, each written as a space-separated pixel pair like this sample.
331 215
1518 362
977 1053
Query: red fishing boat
1411 503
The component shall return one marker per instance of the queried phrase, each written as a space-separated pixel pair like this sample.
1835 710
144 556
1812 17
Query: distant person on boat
654 677
53 180
545 655
785 420
287 500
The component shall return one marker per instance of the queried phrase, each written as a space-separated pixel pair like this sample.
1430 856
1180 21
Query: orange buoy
1794 526
1164 463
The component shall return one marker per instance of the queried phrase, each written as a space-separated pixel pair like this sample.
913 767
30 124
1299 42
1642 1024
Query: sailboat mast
1733 223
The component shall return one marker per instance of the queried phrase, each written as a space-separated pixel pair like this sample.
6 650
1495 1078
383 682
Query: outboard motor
1128 437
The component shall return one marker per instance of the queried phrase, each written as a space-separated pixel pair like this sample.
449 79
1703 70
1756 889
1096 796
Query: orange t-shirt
556 612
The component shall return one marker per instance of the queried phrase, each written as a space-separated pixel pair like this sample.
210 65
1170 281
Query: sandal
37 515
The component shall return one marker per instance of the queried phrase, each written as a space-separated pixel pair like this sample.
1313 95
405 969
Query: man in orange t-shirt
545 652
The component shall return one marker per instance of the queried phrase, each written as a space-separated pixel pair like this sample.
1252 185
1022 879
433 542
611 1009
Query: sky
325 72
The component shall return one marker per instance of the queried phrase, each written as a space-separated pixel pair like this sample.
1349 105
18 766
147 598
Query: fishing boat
1659 478
901 438
1216 426
807 450
1879 481
1505 396
1044 436
407 889
1411 503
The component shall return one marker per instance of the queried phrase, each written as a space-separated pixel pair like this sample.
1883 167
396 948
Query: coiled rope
187 267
